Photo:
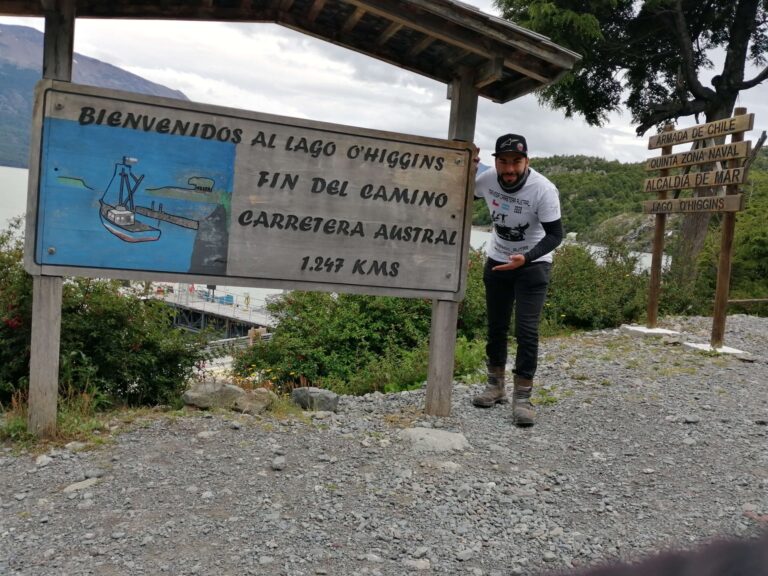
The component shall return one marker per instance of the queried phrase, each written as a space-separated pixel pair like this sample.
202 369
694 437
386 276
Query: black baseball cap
511 143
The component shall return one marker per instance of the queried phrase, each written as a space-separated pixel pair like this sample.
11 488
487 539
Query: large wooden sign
733 203
687 179
700 156
702 131
731 156
142 187
695 180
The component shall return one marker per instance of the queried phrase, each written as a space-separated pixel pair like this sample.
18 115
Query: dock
197 309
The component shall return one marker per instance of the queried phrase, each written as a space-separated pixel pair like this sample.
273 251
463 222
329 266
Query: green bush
328 337
590 295
356 344
122 345
115 347
472 323
15 312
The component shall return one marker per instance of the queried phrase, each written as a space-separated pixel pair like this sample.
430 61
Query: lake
13 193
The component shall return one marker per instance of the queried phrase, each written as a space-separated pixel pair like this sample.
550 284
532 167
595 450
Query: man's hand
515 261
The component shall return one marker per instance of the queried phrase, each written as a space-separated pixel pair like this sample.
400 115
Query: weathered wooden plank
420 46
455 32
701 131
700 156
47 290
442 339
58 41
657 252
723 286
492 71
442 343
512 90
695 180
391 30
315 9
44 354
732 203
353 19
522 39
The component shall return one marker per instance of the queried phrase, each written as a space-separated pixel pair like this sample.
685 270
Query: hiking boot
494 392
522 409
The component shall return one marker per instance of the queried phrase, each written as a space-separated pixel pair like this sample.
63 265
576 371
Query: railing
221 302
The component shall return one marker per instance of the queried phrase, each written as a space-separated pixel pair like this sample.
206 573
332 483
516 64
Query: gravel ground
640 444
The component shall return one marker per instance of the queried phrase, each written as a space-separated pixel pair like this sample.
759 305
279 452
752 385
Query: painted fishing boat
117 209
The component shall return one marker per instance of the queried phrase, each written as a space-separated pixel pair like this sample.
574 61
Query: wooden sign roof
433 38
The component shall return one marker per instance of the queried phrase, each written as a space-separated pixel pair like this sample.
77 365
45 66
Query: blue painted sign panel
130 199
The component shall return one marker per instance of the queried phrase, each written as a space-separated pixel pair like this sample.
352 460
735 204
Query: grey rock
431 440
213 395
318 399
256 401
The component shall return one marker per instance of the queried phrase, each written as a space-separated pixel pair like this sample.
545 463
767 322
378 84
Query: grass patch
404 418
544 397
283 408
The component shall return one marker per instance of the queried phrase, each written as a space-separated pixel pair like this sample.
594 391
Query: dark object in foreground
719 558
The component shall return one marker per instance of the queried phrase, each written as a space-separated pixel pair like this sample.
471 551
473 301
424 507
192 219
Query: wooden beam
528 69
392 29
59 40
657 251
451 17
58 50
740 118
352 21
517 88
489 73
456 60
285 5
420 46
456 33
315 9
44 355
442 337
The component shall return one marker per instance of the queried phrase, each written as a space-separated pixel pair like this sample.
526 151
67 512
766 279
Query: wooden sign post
47 289
729 202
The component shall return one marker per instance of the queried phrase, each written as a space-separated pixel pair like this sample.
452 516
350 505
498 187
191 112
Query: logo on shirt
516 234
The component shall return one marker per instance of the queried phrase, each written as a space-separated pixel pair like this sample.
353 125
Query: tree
654 55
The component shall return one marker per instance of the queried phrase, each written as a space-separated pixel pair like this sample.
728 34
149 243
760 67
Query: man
525 210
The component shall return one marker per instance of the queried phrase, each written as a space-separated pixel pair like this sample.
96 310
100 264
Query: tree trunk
694 227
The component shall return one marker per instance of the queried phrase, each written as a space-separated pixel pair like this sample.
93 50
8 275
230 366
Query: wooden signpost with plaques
728 160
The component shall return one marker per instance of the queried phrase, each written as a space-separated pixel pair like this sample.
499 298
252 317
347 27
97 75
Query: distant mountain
21 58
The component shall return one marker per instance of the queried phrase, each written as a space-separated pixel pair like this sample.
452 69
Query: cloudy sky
268 68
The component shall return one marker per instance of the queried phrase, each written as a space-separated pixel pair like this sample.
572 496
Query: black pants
523 289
